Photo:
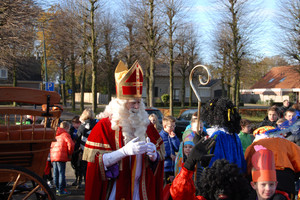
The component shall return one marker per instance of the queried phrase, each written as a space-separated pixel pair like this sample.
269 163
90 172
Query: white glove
135 147
112 158
151 150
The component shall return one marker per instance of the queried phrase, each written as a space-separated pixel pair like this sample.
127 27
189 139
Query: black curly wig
221 112
225 180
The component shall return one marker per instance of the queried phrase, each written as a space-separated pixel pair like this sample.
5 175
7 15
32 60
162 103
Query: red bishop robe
103 139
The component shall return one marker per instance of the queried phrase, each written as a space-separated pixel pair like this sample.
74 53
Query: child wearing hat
264 180
184 151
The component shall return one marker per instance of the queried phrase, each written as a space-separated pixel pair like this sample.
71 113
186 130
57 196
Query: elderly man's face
133 105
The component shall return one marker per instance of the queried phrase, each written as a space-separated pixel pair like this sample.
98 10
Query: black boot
79 183
75 182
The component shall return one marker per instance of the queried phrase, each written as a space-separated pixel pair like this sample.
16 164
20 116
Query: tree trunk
223 85
14 76
73 87
93 57
236 88
63 91
129 55
151 81
191 90
171 62
82 83
147 85
83 73
228 87
152 53
183 82
191 97
15 82
238 94
108 61
183 91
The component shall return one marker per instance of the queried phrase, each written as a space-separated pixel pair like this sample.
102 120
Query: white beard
134 122
133 126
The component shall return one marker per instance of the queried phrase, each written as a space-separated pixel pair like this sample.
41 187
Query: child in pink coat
60 152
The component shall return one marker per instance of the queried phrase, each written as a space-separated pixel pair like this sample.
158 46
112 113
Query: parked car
182 121
157 112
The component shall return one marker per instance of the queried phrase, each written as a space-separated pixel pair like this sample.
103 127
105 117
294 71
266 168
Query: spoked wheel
20 183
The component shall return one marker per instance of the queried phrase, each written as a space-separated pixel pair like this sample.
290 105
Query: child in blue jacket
171 143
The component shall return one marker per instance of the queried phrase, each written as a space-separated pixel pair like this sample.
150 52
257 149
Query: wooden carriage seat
23 132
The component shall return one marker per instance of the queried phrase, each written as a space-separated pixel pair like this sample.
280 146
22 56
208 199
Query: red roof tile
284 77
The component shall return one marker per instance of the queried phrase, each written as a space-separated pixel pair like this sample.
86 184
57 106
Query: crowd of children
227 159
264 164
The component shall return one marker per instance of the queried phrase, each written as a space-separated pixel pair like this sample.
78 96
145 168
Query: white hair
134 124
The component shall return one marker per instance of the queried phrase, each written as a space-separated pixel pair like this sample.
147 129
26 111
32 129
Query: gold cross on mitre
129 83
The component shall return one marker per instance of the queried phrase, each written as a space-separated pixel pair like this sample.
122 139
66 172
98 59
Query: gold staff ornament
203 71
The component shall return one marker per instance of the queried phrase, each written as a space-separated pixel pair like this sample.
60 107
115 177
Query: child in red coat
60 152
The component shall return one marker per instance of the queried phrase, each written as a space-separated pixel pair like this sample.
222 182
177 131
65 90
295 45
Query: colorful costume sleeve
183 185
229 147
179 160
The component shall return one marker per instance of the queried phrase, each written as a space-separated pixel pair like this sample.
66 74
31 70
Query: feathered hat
129 82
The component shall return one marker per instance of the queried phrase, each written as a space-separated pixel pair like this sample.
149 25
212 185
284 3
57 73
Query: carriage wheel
20 183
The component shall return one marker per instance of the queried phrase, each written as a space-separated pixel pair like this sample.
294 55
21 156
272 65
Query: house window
155 91
176 95
271 80
187 92
3 73
217 93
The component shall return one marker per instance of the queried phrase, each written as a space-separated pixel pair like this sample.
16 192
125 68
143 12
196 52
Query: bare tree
174 11
93 8
84 52
63 45
222 45
129 31
17 34
238 16
73 35
81 13
288 20
146 14
188 55
108 39
57 45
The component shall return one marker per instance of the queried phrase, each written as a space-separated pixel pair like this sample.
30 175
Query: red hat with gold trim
263 165
129 82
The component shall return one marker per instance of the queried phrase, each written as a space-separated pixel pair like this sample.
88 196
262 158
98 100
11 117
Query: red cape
103 139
